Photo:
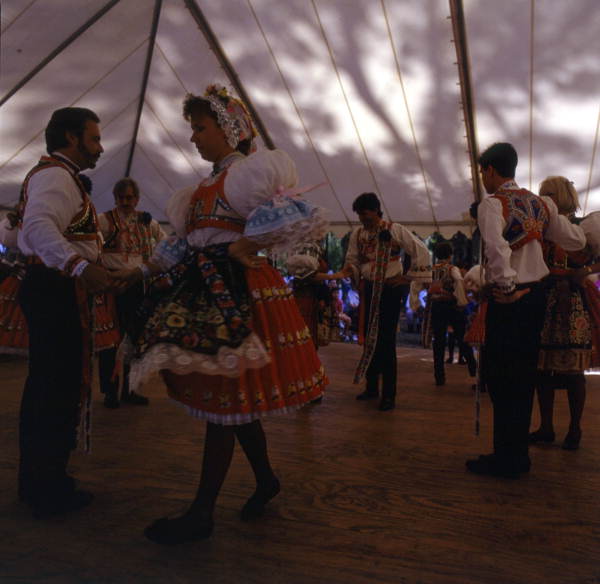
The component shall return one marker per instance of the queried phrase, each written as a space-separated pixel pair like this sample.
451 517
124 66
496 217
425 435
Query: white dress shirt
420 268
53 200
506 267
459 287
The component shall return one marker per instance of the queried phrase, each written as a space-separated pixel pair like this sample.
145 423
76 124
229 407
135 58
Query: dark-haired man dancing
58 231
373 259
514 224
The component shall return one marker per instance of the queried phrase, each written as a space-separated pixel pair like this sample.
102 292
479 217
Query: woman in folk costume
566 343
228 338
13 327
308 268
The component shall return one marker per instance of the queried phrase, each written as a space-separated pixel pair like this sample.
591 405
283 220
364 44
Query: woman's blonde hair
562 192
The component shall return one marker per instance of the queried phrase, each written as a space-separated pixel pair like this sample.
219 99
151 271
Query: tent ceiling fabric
326 78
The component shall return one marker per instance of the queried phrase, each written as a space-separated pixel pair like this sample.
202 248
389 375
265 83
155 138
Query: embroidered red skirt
13 327
107 330
14 337
291 377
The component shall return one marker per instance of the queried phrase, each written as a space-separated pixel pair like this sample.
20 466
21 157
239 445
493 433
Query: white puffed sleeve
177 208
591 228
255 179
8 234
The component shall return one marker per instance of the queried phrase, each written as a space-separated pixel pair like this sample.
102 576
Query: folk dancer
447 301
228 338
569 322
514 223
373 260
58 231
130 237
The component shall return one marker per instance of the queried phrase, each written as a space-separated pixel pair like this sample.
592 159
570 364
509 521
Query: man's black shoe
487 464
365 395
386 404
111 402
72 502
135 398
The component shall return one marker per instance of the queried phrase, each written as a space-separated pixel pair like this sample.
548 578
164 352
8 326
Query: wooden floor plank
368 497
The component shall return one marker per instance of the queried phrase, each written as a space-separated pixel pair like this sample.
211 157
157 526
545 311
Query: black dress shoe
365 395
179 530
111 402
255 505
135 398
386 404
488 464
539 436
440 381
449 360
72 502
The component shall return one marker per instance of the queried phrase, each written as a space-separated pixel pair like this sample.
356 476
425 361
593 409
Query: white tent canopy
363 94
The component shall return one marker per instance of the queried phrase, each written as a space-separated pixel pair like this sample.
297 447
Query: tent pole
151 41
466 89
58 50
234 79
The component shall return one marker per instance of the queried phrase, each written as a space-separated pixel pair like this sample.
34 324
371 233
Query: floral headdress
232 116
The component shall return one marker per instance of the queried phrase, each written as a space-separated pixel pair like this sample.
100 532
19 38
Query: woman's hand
128 277
244 252
502 298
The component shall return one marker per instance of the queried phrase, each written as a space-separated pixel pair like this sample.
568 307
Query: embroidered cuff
507 289
79 267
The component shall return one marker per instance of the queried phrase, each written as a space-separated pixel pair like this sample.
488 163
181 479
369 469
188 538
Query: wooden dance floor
367 497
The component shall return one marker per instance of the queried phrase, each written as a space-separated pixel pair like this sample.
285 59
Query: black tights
575 386
218 451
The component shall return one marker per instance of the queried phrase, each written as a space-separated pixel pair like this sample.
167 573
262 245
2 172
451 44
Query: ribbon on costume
86 303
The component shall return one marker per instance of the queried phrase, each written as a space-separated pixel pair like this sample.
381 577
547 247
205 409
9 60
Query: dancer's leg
576 394
254 443
196 522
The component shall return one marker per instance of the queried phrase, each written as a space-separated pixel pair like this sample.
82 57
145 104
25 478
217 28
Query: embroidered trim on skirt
14 338
107 331
566 340
279 370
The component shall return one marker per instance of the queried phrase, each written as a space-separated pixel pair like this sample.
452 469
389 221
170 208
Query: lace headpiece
232 116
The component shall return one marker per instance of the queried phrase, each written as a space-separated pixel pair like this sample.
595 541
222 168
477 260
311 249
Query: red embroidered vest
367 244
126 238
526 216
84 225
209 208
442 285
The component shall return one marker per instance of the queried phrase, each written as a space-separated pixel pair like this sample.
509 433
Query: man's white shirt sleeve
53 200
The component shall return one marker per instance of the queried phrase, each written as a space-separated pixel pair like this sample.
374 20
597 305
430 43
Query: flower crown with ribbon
232 116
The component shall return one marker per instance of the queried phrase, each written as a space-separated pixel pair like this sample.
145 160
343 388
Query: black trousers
50 403
384 361
443 315
509 366
127 304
